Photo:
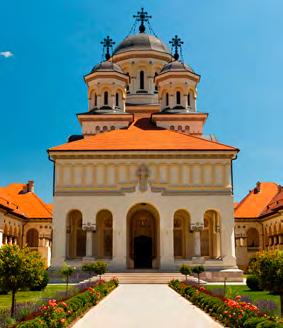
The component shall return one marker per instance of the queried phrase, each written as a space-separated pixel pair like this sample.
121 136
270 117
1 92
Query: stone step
146 277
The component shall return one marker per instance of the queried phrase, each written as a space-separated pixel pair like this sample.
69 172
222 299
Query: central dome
141 41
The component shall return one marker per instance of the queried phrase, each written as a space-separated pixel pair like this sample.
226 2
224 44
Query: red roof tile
142 135
257 200
26 204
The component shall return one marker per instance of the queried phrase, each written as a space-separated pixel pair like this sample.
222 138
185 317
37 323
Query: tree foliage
100 268
198 270
185 270
268 268
19 268
66 271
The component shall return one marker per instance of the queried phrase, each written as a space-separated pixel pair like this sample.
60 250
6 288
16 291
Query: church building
142 187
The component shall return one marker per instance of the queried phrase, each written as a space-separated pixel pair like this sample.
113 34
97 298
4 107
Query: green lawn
234 290
28 296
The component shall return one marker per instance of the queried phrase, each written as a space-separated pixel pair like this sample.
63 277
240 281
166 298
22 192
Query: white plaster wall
196 205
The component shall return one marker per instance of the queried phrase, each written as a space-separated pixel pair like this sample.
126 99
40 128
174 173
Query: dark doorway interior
143 252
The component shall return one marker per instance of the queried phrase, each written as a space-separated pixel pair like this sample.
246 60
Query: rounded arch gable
32 237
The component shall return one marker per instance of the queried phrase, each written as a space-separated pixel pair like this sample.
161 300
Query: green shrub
185 270
40 282
253 322
100 268
35 323
253 283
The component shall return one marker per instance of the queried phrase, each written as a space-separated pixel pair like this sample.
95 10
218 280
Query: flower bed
57 314
232 313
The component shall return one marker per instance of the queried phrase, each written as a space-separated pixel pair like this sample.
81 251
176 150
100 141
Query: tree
268 268
19 268
90 268
100 268
66 270
185 270
198 270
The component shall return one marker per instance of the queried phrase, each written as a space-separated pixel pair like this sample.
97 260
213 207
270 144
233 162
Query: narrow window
95 100
105 98
167 99
141 80
178 98
117 99
156 88
189 100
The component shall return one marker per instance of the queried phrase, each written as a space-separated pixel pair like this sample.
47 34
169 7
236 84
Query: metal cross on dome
176 44
142 16
107 45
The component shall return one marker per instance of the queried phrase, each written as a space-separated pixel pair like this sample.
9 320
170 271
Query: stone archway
143 237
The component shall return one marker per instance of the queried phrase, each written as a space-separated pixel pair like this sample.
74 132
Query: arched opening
76 237
104 241
189 100
95 100
181 234
210 235
156 87
167 99
117 99
106 98
143 237
252 239
178 98
141 80
32 238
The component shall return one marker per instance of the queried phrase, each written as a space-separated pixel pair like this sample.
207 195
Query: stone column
1 238
197 246
89 228
119 260
166 240
197 227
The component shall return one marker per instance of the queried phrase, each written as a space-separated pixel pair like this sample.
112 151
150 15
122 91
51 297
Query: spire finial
107 45
142 16
176 44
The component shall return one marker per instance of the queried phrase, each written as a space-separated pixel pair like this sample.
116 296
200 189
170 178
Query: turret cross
107 45
176 44
142 16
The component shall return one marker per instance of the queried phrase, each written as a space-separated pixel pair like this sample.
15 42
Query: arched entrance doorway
143 237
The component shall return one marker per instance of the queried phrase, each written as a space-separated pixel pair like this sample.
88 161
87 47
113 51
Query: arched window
189 100
178 98
181 224
156 87
95 100
141 80
106 98
76 236
167 99
117 99
104 221
32 238
252 238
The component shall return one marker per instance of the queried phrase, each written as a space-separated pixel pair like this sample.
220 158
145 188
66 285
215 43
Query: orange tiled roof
142 135
27 204
257 200
275 204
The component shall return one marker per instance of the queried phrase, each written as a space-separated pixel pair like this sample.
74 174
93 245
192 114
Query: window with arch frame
141 80
178 98
117 99
105 97
167 99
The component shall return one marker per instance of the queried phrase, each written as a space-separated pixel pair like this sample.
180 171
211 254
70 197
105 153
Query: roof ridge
42 202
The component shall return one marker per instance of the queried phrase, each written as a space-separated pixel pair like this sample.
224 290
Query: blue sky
236 46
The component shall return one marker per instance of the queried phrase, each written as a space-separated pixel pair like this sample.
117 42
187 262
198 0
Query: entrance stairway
146 277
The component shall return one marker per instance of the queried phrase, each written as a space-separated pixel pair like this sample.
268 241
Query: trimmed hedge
253 283
61 314
232 313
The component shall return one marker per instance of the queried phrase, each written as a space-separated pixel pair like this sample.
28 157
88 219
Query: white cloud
6 54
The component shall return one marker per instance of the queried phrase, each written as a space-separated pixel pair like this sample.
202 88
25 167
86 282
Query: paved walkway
150 306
